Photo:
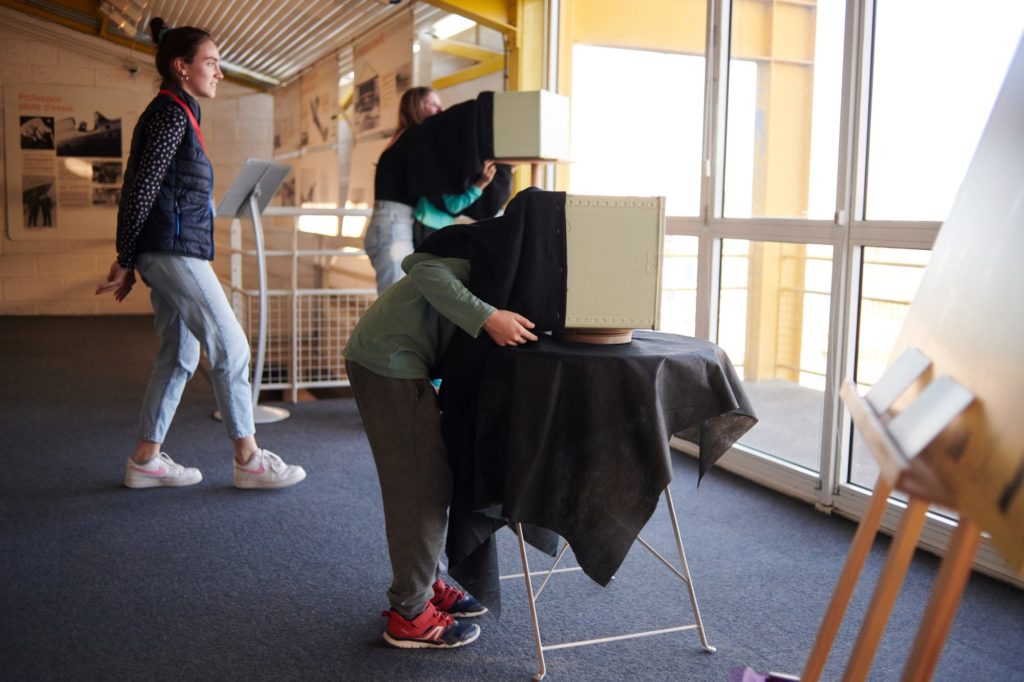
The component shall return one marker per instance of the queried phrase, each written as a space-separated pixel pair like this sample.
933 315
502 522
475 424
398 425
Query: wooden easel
896 440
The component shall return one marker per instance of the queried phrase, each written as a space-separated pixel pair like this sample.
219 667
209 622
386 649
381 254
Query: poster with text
66 148
383 65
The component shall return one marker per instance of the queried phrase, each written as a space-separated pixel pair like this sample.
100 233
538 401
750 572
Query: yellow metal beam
464 50
526 56
484 68
490 13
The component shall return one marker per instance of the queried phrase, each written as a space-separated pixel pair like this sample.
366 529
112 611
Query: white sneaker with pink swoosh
161 471
267 470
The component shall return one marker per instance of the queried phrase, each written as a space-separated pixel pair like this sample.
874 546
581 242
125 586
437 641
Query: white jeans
192 310
388 241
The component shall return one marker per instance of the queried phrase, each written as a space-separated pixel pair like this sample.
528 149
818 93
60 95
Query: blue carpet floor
98 582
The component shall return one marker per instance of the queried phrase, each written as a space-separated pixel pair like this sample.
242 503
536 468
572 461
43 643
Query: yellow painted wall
664 25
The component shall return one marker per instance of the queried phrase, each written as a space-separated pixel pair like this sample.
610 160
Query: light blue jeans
388 241
191 310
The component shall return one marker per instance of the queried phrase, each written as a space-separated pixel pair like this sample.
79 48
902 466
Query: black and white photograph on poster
37 201
403 77
106 172
106 196
368 104
100 136
37 132
383 67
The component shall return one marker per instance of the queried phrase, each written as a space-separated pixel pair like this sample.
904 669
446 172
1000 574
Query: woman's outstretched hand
119 280
507 328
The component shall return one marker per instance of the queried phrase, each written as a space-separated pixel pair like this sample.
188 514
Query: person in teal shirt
430 217
390 358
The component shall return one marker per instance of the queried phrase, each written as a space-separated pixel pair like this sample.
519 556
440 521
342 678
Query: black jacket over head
444 155
181 220
518 263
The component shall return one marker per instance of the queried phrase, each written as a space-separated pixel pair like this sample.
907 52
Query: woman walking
165 232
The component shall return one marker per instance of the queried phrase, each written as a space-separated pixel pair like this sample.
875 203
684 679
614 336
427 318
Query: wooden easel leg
858 553
938 616
888 587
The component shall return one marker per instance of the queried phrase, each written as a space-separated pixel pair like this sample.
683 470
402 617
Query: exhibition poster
66 150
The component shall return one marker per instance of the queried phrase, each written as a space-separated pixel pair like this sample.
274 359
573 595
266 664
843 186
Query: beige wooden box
531 125
614 251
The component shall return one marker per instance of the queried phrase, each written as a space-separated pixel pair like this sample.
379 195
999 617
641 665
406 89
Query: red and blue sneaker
455 602
432 629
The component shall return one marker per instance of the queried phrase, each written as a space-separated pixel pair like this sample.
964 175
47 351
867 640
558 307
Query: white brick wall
58 277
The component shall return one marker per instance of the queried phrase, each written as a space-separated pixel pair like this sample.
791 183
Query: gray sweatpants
403 425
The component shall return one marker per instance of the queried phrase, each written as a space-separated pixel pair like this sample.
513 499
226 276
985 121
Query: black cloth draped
568 439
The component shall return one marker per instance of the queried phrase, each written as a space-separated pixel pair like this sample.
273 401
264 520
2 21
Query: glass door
809 151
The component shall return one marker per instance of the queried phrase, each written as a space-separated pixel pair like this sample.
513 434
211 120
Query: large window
807 177
889 281
937 68
679 285
636 81
785 78
626 104
773 322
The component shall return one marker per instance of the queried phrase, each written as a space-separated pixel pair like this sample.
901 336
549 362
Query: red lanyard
191 117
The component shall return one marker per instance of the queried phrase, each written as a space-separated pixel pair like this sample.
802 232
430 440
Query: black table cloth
573 439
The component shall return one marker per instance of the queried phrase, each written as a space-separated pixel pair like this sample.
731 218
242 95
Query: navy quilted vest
181 220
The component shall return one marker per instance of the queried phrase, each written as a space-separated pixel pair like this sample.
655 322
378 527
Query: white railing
306 328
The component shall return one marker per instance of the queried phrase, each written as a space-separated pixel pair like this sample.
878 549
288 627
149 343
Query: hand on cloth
507 328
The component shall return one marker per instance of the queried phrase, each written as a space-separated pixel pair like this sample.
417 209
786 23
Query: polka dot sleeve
163 134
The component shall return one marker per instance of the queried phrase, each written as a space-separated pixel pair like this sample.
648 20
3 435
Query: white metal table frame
532 596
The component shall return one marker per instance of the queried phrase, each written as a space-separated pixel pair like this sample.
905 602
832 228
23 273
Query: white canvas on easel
967 319
943 422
